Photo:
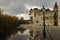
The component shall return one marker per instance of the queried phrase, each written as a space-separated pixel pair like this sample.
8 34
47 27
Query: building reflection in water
20 36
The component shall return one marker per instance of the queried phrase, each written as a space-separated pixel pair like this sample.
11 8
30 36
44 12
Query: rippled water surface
20 36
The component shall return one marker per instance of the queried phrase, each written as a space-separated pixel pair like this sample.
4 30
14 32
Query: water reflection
20 36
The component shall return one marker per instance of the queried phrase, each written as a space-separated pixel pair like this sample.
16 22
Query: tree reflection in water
20 36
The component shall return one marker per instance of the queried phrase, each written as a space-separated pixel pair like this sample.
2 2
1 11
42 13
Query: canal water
20 36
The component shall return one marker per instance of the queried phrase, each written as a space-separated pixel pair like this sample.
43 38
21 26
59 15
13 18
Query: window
37 21
59 17
46 17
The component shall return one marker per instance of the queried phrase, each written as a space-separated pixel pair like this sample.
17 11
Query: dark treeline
8 25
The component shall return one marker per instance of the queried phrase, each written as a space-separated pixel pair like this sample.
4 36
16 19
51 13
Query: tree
8 26
1 10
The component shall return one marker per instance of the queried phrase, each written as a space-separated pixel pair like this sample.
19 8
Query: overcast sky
15 7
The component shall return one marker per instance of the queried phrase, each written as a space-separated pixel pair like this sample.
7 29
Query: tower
31 15
55 14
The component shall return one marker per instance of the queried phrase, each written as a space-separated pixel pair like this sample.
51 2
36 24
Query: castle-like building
39 16
51 16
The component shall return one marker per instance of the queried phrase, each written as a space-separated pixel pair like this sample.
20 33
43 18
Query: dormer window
37 21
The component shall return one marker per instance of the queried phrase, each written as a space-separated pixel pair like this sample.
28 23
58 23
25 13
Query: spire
55 6
55 14
43 8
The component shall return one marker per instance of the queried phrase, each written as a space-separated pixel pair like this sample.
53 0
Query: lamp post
44 33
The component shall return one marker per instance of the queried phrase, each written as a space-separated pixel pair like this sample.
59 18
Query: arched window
46 17
37 21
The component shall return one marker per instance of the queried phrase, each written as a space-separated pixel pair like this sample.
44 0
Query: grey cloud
18 6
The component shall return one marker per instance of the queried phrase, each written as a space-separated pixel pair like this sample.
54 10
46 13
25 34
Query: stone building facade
51 16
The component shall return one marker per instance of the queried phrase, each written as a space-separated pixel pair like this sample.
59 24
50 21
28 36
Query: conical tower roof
55 6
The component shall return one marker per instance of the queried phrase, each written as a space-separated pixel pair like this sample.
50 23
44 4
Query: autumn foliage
8 25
